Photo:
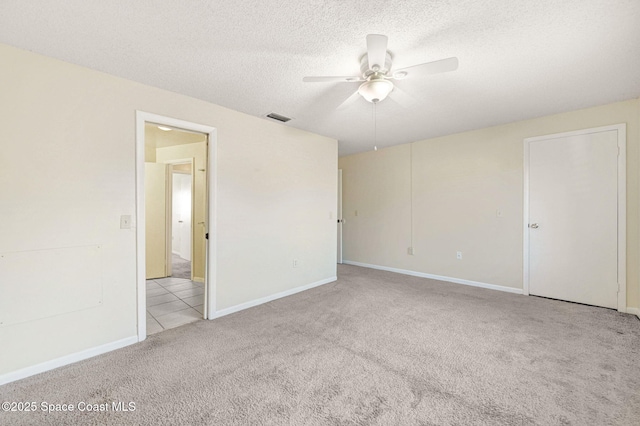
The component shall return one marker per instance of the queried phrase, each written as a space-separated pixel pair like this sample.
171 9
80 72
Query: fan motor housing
366 71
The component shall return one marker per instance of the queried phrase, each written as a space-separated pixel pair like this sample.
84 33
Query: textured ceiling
518 58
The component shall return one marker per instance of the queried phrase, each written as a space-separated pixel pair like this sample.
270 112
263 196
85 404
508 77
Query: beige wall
459 181
69 134
156 192
150 145
283 189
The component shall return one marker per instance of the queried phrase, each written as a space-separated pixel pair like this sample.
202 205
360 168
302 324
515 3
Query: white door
181 217
573 217
340 220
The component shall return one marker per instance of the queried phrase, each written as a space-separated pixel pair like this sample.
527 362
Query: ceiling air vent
278 117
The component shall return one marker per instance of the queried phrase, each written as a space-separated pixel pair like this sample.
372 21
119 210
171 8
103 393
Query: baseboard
198 279
634 311
266 299
65 360
438 277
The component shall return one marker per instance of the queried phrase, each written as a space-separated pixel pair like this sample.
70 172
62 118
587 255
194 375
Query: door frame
622 205
142 118
340 219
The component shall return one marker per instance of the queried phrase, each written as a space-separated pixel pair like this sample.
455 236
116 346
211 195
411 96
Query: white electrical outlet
355 213
459 255
125 221
410 251
295 263
498 213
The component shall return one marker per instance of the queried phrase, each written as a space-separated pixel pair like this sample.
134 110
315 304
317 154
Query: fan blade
348 79
376 50
401 97
355 96
435 67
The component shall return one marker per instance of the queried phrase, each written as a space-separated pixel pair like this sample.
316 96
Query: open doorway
174 219
175 251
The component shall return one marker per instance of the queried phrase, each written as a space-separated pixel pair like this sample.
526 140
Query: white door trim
622 205
210 265
340 219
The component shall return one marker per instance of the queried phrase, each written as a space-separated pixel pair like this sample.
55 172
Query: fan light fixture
376 66
375 89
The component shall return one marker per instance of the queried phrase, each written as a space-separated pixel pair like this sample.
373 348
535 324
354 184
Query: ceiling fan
375 66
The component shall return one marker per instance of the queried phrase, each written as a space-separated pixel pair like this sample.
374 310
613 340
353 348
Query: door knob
533 225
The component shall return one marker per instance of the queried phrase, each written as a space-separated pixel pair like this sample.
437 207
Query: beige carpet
373 348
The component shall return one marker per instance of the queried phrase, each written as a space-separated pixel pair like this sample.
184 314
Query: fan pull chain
375 127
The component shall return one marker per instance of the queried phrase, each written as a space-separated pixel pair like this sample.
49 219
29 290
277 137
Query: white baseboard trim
438 277
633 311
65 360
266 299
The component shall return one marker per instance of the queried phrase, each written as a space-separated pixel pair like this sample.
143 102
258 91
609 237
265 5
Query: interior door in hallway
181 215
573 217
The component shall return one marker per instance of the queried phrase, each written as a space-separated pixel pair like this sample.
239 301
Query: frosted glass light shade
375 90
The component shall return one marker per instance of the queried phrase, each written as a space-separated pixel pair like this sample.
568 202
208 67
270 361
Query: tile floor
172 302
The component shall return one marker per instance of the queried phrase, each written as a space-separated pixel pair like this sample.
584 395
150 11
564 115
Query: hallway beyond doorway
180 268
